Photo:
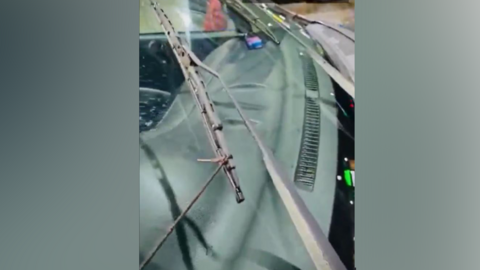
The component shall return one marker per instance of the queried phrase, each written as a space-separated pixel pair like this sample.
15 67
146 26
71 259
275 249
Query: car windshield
303 116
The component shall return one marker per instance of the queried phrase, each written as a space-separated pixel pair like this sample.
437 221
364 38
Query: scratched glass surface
300 113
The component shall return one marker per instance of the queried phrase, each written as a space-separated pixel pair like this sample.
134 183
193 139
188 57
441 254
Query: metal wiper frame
255 22
319 248
302 19
347 85
212 124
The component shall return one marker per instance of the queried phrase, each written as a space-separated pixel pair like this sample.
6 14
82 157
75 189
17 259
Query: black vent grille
307 163
310 74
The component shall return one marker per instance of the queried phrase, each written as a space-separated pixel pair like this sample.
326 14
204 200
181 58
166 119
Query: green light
348 178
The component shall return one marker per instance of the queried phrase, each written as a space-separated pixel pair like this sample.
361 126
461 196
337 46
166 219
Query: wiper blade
251 18
304 20
212 124
319 248
346 84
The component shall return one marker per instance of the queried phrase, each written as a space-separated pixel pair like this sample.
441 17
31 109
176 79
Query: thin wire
179 218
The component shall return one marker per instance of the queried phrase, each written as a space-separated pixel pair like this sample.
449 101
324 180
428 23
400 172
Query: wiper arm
304 20
255 22
344 83
210 119
319 248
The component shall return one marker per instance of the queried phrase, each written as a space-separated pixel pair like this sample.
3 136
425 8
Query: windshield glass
301 114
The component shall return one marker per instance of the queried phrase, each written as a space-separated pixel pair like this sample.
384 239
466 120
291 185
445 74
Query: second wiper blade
304 21
251 18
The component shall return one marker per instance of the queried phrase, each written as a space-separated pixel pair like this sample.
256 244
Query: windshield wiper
254 21
319 248
304 21
212 124
346 84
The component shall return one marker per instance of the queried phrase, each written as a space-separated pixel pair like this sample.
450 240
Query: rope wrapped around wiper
319 248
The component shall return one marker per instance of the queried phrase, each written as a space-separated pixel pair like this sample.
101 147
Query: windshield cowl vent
306 170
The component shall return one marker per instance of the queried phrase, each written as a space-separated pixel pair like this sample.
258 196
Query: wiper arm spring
212 123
